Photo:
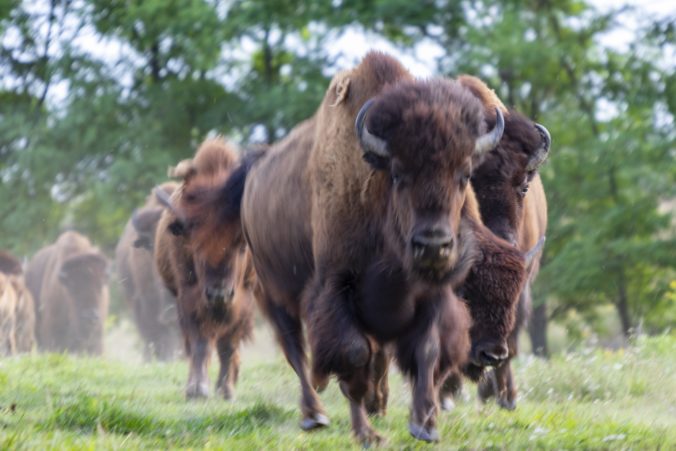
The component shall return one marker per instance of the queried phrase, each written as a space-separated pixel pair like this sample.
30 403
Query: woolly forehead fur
428 121
520 131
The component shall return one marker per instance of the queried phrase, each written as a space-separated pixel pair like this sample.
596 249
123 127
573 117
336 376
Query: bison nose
219 294
432 244
492 355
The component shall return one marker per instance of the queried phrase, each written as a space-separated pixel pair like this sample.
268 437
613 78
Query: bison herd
402 223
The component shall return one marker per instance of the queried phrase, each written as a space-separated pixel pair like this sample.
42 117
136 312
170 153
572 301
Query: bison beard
335 220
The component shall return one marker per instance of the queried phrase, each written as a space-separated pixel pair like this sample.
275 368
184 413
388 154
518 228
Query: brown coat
72 295
208 271
152 306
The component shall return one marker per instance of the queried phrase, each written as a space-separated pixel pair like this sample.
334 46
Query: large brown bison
513 205
210 273
24 329
68 280
152 306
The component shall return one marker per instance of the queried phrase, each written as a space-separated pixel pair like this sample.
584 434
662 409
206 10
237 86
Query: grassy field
592 399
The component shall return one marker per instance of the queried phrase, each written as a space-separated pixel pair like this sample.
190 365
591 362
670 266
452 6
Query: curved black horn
490 140
369 142
541 153
546 137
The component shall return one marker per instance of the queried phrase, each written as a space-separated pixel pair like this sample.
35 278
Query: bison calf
205 265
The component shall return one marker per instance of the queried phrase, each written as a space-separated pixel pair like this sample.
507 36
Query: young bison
72 296
208 270
153 307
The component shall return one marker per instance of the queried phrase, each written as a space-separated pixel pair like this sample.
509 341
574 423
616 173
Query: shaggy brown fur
152 306
8 303
208 270
72 295
512 211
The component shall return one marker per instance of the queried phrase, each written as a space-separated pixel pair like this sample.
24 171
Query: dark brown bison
207 270
68 280
513 206
363 235
152 306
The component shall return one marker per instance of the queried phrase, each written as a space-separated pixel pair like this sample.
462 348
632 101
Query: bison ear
183 170
145 220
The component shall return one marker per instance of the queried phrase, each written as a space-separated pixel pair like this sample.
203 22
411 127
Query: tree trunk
537 329
622 304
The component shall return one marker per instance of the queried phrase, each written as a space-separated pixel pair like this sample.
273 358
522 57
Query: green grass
592 399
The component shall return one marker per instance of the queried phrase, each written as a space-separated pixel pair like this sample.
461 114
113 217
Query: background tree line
97 98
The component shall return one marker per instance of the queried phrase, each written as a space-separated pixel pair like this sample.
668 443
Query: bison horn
528 256
369 142
541 154
490 140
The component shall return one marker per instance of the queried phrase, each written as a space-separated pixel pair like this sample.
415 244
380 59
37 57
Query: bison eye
464 180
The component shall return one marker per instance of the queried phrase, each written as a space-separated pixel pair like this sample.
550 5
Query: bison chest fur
385 302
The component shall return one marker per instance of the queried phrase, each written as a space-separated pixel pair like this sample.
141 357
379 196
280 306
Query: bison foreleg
354 386
198 379
376 397
228 354
450 390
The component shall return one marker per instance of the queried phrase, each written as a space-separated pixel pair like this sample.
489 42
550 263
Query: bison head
206 216
425 135
502 180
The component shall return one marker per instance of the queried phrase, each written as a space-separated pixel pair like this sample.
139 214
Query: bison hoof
197 391
507 404
227 392
315 421
426 434
447 404
368 438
